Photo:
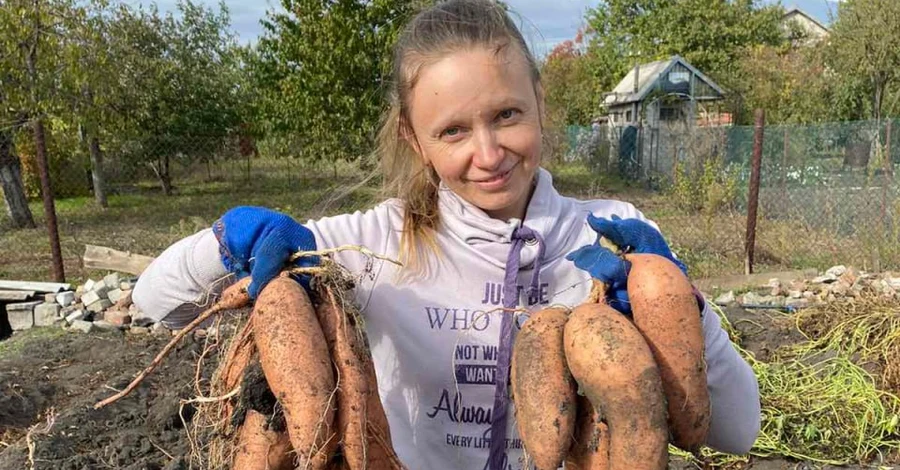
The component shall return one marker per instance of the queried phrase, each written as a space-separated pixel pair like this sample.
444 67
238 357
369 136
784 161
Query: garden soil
49 382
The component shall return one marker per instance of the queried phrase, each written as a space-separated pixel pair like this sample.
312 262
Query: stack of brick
102 304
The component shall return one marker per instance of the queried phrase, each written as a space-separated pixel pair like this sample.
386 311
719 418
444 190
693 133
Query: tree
709 34
863 53
177 93
572 90
320 68
791 83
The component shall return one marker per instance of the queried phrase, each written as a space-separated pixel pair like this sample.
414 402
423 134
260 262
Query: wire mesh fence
827 192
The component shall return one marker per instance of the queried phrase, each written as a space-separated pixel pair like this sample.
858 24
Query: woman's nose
488 152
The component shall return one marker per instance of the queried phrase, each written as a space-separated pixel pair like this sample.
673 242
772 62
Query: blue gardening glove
258 242
635 236
605 266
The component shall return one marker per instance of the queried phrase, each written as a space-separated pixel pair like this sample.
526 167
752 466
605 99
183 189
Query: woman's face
475 115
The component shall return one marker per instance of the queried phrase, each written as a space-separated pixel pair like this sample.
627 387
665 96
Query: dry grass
143 221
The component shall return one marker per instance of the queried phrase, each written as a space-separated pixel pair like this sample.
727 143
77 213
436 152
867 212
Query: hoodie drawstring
520 236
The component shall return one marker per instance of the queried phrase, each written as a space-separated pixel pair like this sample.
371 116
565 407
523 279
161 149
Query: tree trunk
97 172
11 182
161 168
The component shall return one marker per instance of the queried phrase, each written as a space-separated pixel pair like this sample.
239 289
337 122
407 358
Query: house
662 113
664 91
796 19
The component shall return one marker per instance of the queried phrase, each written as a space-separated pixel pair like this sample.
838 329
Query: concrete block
90 297
88 285
49 298
75 315
64 299
83 326
114 295
21 315
127 285
99 306
139 330
100 289
105 325
112 280
46 314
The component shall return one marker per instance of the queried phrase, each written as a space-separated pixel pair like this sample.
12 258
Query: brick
65 299
112 280
75 315
99 306
83 326
117 317
46 314
21 315
114 295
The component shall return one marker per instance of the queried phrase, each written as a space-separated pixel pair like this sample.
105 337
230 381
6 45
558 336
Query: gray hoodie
435 338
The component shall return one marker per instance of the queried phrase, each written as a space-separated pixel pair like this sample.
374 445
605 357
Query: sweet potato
666 313
543 389
259 448
615 369
352 387
295 359
238 357
590 447
361 421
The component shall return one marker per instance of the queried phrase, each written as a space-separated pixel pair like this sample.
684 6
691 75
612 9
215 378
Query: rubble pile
837 282
103 304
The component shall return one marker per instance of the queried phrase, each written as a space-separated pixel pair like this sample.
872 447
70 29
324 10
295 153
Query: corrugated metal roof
647 76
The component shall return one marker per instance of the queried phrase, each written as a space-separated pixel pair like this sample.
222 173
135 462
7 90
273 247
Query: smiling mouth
497 177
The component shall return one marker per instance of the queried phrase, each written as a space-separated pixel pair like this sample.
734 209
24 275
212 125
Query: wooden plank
43 287
101 257
15 295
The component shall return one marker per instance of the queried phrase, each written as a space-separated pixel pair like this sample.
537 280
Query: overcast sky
544 22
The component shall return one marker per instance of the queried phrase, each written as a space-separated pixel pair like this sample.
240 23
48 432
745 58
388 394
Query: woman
479 228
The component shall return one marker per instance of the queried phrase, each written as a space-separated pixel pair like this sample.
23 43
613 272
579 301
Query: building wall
813 29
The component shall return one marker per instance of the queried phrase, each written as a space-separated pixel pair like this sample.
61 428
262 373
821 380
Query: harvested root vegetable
614 367
590 447
240 353
666 313
295 359
543 389
361 421
260 448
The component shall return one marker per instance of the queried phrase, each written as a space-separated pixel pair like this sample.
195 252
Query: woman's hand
604 265
258 242
634 236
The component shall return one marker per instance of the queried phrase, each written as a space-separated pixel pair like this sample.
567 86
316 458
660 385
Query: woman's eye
507 113
451 132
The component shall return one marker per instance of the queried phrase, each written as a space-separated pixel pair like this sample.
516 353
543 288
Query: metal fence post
753 196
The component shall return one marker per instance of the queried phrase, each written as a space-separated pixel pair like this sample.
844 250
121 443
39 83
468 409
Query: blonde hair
434 33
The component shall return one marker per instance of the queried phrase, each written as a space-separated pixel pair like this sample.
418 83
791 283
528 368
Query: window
679 76
628 116
669 113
